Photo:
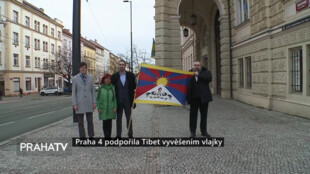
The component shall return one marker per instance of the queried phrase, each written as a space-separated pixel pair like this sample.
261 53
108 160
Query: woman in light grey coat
84 99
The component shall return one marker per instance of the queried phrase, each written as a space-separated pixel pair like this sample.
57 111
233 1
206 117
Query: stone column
225 58
168 47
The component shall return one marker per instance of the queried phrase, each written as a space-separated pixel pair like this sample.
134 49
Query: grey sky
113 16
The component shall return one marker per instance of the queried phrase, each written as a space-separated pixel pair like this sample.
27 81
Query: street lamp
131 62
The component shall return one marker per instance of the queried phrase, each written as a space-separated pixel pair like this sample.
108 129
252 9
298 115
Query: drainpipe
230 50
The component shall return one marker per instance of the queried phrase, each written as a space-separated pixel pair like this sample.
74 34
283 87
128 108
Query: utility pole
76 42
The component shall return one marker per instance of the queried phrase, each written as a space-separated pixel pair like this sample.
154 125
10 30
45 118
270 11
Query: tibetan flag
160 85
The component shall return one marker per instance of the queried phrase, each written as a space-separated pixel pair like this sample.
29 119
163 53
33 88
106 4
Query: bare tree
138 57
62 66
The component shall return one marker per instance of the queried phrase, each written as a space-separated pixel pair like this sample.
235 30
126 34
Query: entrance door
39 84
218 53
2 87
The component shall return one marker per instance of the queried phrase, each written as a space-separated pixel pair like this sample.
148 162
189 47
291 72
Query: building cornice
41 14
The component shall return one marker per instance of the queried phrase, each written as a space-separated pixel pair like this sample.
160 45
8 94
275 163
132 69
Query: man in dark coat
125 86
198 96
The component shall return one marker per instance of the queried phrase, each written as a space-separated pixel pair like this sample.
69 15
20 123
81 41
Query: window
27 21
16 61
28 83
36 44
241 74
37 25
249 72
52 32
15 36
45 47
27 61
59 50
45 63
0 36
36 82
36 62
15 16
39 62
242 8
59 35
297 70
44 29
16 84
52 48
27 42
0 58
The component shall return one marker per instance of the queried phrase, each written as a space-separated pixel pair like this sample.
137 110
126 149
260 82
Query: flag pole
133 102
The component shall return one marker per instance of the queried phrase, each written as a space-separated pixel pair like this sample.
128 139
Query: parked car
97 86
51 90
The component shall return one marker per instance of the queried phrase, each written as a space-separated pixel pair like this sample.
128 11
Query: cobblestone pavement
256 141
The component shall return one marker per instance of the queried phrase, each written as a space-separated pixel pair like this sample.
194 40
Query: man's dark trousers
203 107
90 126
124 106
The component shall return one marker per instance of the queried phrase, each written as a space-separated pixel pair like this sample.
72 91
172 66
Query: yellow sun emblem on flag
162 81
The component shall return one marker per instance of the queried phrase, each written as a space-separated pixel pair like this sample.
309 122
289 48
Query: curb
33 131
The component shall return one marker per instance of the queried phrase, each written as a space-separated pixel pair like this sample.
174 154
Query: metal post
131 35
76 42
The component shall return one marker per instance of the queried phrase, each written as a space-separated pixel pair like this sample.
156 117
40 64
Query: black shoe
193 135
205 134
118 137
130 136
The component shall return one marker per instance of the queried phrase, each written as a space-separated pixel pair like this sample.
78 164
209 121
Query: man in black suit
198 96
125 86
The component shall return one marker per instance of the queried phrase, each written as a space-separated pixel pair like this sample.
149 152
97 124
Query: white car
51 90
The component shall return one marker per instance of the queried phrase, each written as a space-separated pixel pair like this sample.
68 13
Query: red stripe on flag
184 76
178 87
144 76
167 73
155 72
143 89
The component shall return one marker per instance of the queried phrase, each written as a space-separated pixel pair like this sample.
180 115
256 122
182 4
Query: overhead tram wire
97 22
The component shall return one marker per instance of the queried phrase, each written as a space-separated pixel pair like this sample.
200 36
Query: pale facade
258 51
90 57
106 60
187 49
26 50
100 60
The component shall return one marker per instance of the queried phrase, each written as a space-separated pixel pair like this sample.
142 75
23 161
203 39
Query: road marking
40 115
10 101
65 108
6 123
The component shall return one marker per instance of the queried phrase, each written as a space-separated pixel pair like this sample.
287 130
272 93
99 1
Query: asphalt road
21 115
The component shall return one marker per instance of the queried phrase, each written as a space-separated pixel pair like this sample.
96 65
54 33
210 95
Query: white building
106 60
31 38
100 60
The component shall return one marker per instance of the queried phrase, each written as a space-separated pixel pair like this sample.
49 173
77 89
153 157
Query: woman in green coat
106 104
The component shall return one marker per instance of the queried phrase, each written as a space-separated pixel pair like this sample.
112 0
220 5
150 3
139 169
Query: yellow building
90 57
114 63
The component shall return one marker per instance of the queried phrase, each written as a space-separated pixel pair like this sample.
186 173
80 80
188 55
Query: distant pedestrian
84 100
1 94
21 92
106 104
125 85
198 96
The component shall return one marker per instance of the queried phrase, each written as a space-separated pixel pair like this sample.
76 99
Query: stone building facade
257 50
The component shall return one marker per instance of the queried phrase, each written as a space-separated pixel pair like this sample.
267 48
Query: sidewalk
256 141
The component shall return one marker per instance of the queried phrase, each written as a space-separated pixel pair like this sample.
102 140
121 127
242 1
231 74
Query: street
20 115
256 141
